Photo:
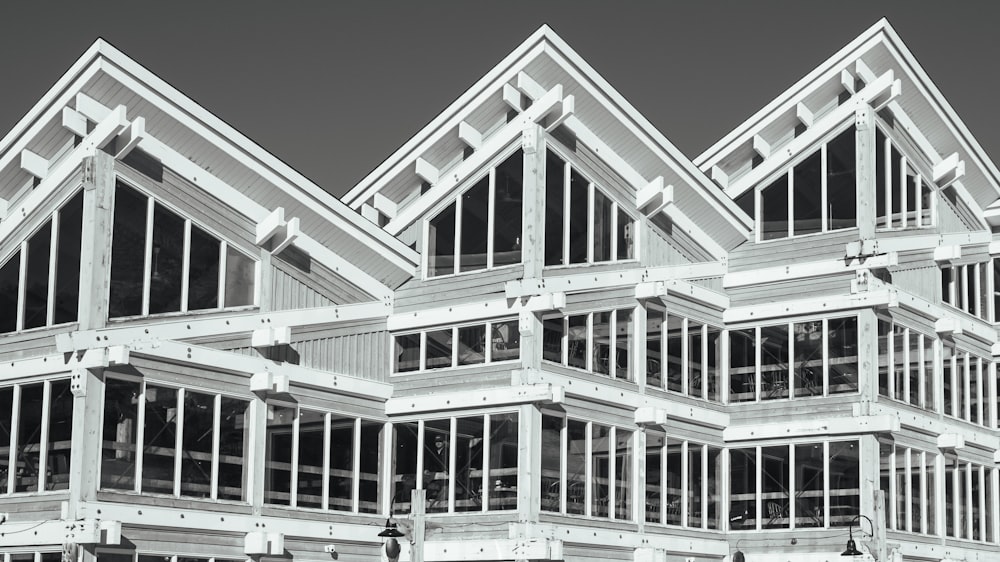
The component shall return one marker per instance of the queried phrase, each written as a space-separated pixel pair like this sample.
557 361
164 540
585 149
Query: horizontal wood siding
790 251
33 343
953 215
583 553
791 290
33 507
456 289
713 283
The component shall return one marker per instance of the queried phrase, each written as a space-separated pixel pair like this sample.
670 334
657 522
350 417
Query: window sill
471 272
179 314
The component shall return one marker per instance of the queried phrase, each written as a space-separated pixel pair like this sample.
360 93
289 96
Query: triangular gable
875 68
113 104
545 82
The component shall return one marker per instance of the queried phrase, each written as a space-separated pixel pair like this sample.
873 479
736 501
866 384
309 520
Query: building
573 341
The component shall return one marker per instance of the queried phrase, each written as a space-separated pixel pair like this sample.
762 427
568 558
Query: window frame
591 347
8 485
706 328
921 168
454 361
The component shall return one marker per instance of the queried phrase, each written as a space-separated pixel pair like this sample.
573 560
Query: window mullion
919 218
825 354
685 356
887 172
15 413
908 484
792 483
757 370
826 483
179 440
186 266
50 299
567 170
457 254
591 223
614 231
293 487
491 210
589 469
563 461
485 484
685 484
356 467
216 443
759 495
790 370
140 436
824 196
590 342
612 344
903 195
147 270
43 440
223 256
452 447
906 365
790 230
22 282
324 501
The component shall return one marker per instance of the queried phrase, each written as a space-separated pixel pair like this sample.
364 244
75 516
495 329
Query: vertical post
529 468
257 462
418 500
868 360
864 124
533 226
85 455
98 223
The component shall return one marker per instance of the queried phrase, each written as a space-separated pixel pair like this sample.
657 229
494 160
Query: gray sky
333 88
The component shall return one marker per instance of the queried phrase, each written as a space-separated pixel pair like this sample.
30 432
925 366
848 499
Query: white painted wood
426 171
370 213
469 135
130 137
385 205
812 427
720 177
761 147
804 115
565 109
270 226
542 393
512 97
807 270
945 254
847 81
292 231
482 310
876 246
34 164
948 171
74 121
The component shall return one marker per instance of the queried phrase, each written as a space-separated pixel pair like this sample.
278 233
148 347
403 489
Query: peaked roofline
241 146
545 36
882 31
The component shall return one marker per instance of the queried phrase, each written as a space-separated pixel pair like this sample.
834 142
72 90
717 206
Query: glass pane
128 250
654 480
675 363
654 347
36 290
341 487
159 440
950 501
602 343
927 204
842 341
407 356
503 461
506 341
507 211
915 491
552 336
577 341
602 227
809 485
807 195
469 464
885 447
896 187
928 374
278 455
121 402
694 359
555 174
743 489
472 344
713 375
203 275
168 257
579 218
626 236
475 215
60 436
10 274
576 466
437 439
742 365
845 482
880 177
623 343
930 486
369 485
438 352
901 488
551 445
911 197
840 181
694 485
27 458
405 464
774 209
884 341
714 483
441 243
6 418
774 362
675 484
774 487
947 363
312 448
961 384
239 278
600 469
808 366
233 435
988 509
68 260
196 462
899 362
623 475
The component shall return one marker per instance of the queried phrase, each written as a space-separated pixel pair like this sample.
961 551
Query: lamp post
852 548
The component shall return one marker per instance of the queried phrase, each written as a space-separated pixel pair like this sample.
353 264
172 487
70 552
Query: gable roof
254 181
540 64
880 50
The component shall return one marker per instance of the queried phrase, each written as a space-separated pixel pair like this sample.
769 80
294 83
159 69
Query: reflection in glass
121 402
552 337
551 479
203 271
840 181
555 173
578 218
774 362
469 464
654 480
474 226
743 489
278 457
809 485
159 440
167 261
128 252
407 355
60 435
9 279
774 207
36 277
369 467
742 365
576 466
503 462
239 278
437 471
472 344
312 448
807 195
842 342
507 211
29 433
808 367
506 341
233 435
438 350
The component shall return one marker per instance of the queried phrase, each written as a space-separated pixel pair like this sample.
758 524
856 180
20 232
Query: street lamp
852 548
391 533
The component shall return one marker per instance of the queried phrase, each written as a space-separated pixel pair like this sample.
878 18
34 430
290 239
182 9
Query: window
457 346
797 360
597 481
35 436
582 223
966 386
164 440
599 342
903 198
50 295
909 357
317 460
481 229
683 483
161 262
670 339
469 463
909 482
815 195
966 287
795 481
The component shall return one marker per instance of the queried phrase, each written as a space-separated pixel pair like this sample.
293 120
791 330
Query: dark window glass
654 478
159 440
809 485
234 421
807 189
168 258
675 363
475 211
743 489
29 438
695 483
341 491
508 213
438 353
576 467
203 271
552 334
774 362
884 340
896 187
899 356
674 483
36 290
742 365
841 193
239 278
602 343
6 419
506 341
196 464
121 403
808 367
472 344
745 202
654 347
10 273
880 175
577 341
278 455
774 208
309 489
407 353
912 197
843 345
626 236
845 483
554 195
579 218
551 445
602 227
128 253
694 359
713 374
441 243
405 464
368 485
503 461
775 483
68 261
600 442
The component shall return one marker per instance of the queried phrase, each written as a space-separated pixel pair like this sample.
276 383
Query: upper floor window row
599 342
36 430
582 224
683 354
967 388
967 287
481 229
161 262
903 198
40 282
906 365
818 194
490 342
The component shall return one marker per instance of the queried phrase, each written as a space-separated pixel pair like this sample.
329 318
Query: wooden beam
130 138
803 114
565 108
385 205
761 147
819 268
74 121
948 170
720 177
270 226
482 310
812 305
946 254
91 108
695 231
470 136
847 81
875 246
541 393
512 97
34 164
603 280
289 236
426 171
812 427
370 213
932 425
